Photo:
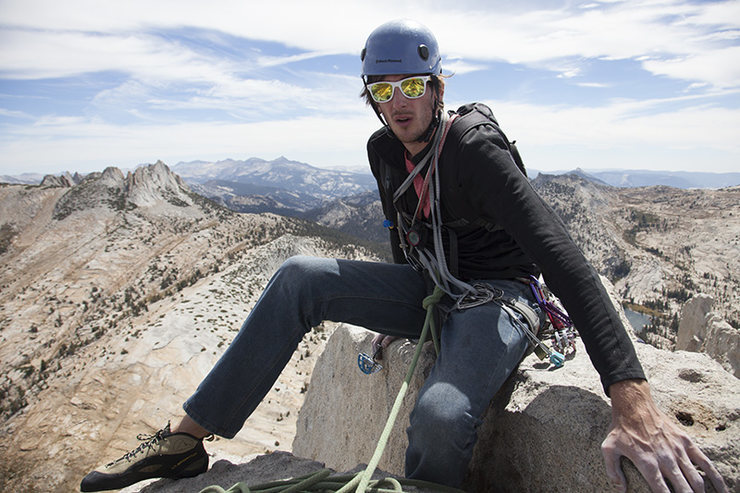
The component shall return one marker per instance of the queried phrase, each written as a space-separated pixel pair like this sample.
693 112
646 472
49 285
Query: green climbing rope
428 304
361 482
320 481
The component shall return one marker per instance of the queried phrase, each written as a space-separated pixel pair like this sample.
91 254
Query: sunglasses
411 87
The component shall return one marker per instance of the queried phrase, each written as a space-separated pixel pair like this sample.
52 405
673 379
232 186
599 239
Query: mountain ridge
200 171
631 178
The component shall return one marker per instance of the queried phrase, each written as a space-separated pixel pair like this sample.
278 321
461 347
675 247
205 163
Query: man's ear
440 95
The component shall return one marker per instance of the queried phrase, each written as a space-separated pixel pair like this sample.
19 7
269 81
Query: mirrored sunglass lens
413 88
381 91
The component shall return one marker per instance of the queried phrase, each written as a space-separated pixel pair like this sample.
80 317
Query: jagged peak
158 172
148 186
66 180
112 177
69 180
154 183
58 181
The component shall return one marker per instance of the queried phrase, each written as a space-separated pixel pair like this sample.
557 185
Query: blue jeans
479 349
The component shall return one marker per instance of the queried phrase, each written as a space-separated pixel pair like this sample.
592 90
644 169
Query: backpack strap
471 116
475 114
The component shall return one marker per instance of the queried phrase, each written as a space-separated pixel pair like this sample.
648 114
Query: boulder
703 330
542 432
345 410
692 325
723 343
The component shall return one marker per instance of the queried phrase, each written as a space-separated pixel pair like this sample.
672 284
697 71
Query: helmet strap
436 110
427 135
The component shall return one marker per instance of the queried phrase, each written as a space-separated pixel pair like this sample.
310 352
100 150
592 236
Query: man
462 216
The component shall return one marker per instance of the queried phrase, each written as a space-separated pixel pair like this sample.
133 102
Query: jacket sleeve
501 194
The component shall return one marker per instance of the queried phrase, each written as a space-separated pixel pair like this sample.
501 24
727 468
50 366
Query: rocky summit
119 291
542 432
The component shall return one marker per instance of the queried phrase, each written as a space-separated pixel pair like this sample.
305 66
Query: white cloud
458 66
535 36
625 30
272 61
712 66
76 144
15 114
552 135
54 54
593 84
162 72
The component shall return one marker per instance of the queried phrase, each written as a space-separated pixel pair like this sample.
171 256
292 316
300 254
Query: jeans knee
304 282
300 271
442 435
441 420
295 266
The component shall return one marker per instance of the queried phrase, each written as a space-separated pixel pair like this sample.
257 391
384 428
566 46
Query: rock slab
703 330
542 432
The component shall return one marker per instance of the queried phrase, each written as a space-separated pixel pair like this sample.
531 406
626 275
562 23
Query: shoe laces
147 442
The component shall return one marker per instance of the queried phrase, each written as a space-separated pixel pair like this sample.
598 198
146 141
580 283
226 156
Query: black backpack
471 116
474 114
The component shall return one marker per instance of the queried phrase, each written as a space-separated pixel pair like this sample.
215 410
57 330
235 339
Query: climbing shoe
162 455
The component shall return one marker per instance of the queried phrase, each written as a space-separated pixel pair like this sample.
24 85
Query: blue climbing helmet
401 47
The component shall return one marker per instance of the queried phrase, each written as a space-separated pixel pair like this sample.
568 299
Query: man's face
408 118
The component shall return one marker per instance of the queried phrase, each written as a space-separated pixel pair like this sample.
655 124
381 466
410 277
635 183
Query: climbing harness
361 482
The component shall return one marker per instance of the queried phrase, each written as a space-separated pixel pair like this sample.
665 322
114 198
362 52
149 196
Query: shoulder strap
475 114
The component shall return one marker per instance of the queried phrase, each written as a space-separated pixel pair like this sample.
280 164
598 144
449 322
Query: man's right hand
382 341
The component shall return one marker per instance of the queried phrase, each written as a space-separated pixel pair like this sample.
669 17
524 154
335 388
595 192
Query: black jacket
481 184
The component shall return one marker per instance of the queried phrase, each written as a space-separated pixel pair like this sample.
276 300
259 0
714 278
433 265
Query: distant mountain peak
64 180
631 178
150 185
282 183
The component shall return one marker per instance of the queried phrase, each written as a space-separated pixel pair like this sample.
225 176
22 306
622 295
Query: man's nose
398 97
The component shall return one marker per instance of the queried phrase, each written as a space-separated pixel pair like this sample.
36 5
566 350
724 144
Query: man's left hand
656 446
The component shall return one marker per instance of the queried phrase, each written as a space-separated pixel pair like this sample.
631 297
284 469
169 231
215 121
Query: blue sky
649 84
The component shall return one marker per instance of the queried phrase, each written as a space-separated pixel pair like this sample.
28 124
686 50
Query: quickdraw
369 364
